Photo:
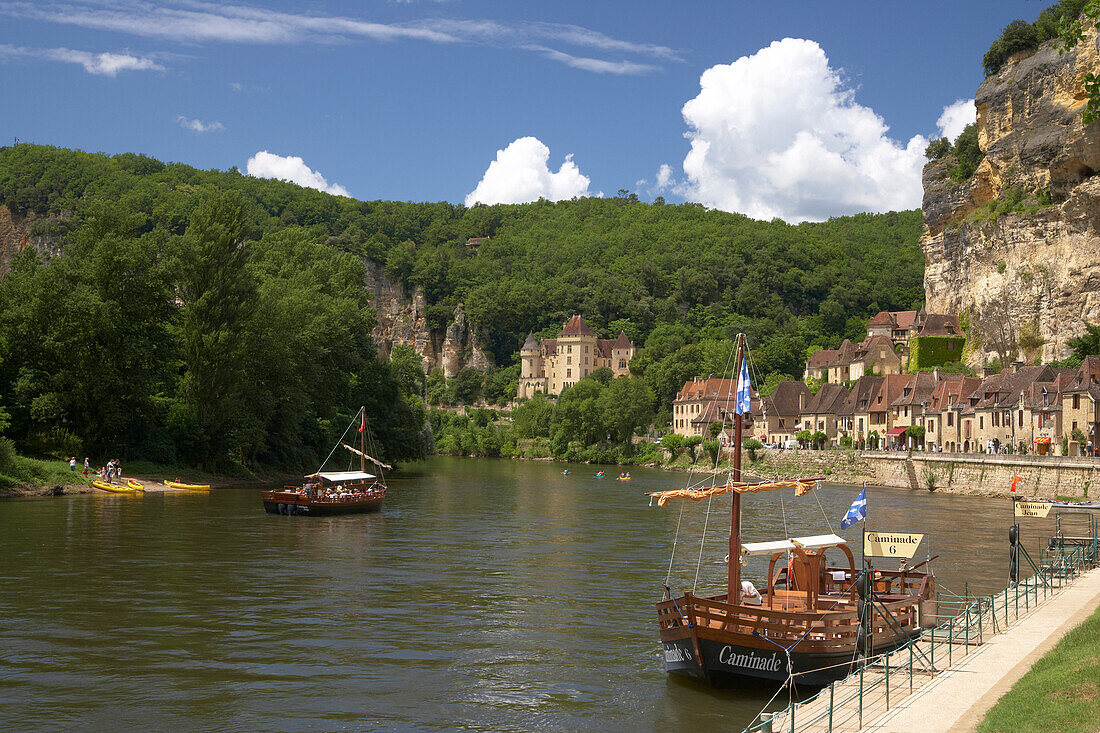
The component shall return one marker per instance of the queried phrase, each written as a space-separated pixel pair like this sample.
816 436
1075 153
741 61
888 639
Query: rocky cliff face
401 320
1020 241
17 235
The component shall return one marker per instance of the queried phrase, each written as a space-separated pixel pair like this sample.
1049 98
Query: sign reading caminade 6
1031 508
890 544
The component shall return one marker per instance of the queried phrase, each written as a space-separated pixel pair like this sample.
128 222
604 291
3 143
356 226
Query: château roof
576 326
531 344
622 342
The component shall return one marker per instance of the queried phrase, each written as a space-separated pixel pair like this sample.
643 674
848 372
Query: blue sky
413 100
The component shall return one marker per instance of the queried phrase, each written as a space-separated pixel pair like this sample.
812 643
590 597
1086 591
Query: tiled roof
710 388
785 398
844 354
622 342
603 347
904 319
828 400
820 358
530 344
576 326
882 318
550 346
891 388
939 324
917 391
863 394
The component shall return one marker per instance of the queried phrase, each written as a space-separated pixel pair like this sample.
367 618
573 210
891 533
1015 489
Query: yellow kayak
136 486
189 487
113 488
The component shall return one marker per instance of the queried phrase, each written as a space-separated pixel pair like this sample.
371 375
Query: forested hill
676 278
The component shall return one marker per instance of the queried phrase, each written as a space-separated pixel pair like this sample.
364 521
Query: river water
487 596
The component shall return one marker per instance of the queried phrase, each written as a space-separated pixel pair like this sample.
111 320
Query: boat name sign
770 663
1031 508
891 544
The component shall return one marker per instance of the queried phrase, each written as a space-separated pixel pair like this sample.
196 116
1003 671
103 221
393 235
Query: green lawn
21 471
1060 694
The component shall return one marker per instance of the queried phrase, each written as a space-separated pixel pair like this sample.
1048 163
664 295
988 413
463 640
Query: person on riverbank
85 467
72 464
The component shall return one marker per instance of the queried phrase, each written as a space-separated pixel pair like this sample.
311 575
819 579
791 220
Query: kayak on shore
114 488
188 487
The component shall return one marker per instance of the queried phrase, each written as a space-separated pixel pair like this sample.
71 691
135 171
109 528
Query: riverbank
33 477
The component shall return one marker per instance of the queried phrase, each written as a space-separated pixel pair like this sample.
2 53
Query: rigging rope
702 541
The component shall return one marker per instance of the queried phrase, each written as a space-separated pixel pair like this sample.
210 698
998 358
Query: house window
586 348
568 360
906 411
861 425
568 373
981 423
586 360
1076 402
932 425
1074 424
781 423
570 349
622 363
1021 418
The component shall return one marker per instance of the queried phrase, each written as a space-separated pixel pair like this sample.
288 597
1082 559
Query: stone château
551 365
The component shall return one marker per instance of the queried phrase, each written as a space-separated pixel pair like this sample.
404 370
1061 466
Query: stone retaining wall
1044 476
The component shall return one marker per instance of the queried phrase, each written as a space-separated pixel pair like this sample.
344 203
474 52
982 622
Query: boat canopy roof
341 476
819 541
766 548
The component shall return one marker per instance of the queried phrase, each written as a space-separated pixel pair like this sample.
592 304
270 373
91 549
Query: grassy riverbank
23 476
1061 693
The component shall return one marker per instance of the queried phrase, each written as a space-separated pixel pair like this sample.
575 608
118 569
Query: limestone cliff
402 320
31 231
1019 241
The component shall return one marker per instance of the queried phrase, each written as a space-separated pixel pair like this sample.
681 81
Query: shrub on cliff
1019 35
967 153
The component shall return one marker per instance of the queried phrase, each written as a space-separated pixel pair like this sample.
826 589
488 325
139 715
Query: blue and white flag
856 512
744 394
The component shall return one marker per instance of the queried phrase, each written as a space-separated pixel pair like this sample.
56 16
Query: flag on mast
362 422
744 394
856 512
1015 480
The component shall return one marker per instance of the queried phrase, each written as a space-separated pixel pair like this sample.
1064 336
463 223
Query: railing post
910 668
886 658
950 642
933 651
981 639
832 690
861 698
966 624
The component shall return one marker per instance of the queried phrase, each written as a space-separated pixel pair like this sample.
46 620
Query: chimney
1016 366
935 374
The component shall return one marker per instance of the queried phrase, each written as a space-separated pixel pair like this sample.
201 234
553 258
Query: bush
967 153
1019 35
752 445
7 455
938 149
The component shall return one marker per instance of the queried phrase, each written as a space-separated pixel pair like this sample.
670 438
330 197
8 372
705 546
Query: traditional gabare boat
812 623
326 493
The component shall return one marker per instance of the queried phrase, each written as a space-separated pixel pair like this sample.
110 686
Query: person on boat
565 472
750 596
600 474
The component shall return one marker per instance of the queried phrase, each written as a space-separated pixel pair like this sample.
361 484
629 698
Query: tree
626 405
1072 32
408 368
467 384
804 437
937 148
692 442
674 444
995 325
1019 35
532 419
1088 343
819 439
712 447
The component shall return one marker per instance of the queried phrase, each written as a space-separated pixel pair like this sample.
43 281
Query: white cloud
955 117
197 125
100 64
520 174
290 168
664 176
778 134
199 21
598 66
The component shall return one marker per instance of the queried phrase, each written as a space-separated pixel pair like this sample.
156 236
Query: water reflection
488 595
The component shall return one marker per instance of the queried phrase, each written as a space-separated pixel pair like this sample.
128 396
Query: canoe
134 485
113 488
189 487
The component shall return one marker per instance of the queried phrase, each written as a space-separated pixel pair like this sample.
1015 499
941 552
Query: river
486 596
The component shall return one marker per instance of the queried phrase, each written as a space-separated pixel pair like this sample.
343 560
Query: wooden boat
187 487
135 485
334 492
812 623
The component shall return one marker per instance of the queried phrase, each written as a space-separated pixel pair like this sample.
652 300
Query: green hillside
194 316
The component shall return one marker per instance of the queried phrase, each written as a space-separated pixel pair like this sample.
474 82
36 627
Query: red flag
1015 480
363 427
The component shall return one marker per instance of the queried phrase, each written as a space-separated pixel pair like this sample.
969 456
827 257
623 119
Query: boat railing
835 626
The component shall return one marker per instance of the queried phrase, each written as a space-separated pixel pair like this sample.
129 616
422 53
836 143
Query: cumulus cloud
778 134
197 125
290 168
520 174
955 117
100 64
664 176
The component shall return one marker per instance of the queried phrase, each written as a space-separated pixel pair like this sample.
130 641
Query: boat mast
363 439
733 589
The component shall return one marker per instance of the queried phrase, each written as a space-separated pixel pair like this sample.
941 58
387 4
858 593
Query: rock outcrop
18 234
402 319
1019 242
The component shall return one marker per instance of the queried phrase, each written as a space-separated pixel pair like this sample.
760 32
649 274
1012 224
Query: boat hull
296 505
725 663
